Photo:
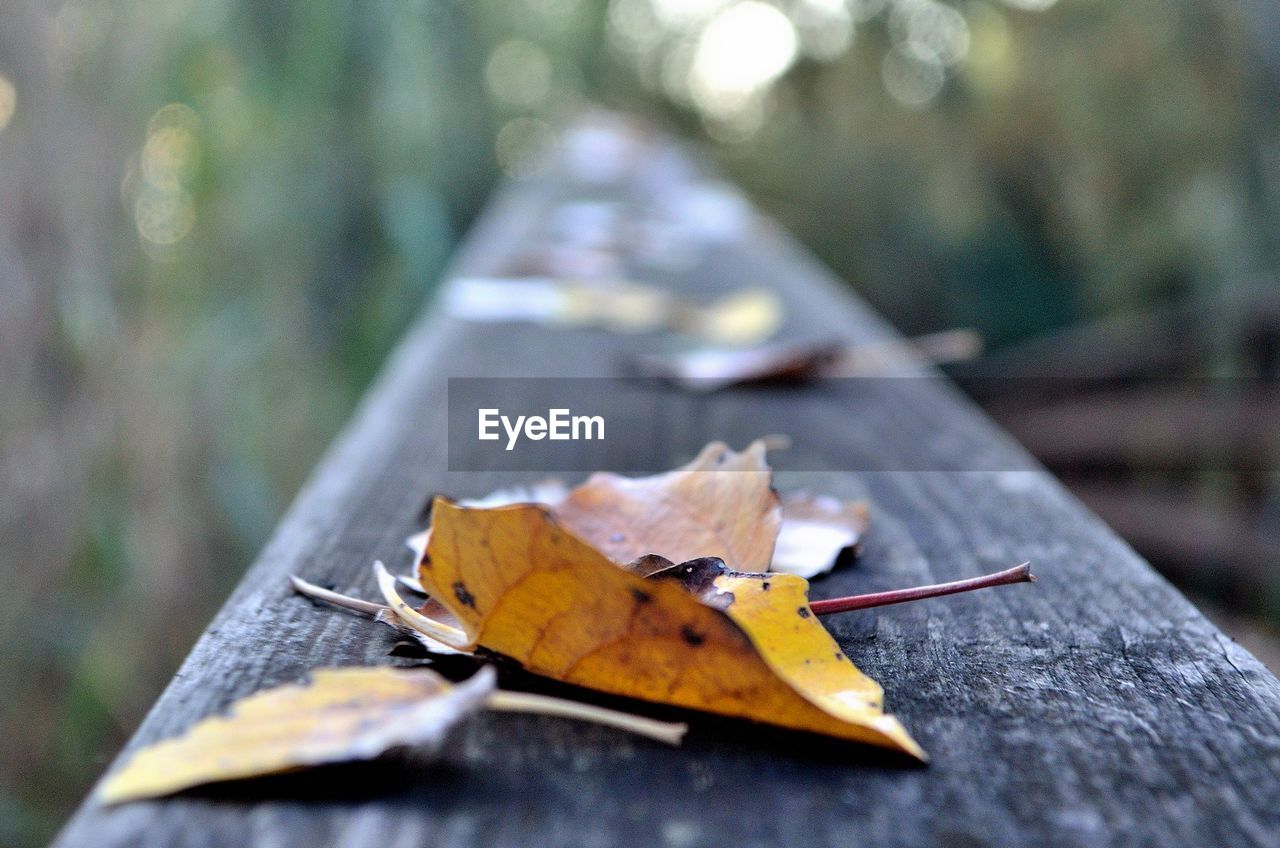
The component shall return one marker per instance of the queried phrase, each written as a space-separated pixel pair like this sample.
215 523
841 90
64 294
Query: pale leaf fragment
342 715
815 529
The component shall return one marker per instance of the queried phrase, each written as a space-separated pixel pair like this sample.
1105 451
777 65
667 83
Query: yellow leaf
343 714
523 586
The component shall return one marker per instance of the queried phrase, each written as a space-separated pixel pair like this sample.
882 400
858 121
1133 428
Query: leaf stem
449 636
527 702
1017 574
311 590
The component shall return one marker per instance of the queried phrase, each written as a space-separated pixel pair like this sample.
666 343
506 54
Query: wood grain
1096 708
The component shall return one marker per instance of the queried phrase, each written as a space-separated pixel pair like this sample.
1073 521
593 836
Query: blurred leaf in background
216 218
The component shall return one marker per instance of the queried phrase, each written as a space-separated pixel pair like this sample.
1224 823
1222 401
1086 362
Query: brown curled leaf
721 504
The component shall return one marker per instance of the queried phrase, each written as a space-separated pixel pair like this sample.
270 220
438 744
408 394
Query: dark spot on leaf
641 596
693 637
765 585
464 597
426 561
804 612
840 656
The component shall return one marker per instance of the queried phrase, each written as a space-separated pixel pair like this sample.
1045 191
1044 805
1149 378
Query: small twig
381 613
871 360
526 702
1017 574
311 590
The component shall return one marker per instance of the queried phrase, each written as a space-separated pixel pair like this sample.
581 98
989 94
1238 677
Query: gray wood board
1097 707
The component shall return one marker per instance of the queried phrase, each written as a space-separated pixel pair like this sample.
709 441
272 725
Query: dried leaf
343 714
712 369
748 316
707 370
522 585
815 530
721 504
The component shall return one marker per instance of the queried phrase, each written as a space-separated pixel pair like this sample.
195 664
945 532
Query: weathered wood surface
1096 708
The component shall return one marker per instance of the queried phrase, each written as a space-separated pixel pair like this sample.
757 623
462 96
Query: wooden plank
1097 707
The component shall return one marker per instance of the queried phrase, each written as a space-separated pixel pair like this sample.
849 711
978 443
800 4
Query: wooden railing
1097 707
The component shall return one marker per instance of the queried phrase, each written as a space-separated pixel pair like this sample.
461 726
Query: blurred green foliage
218 216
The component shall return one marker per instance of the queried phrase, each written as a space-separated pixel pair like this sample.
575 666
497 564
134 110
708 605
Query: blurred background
217 216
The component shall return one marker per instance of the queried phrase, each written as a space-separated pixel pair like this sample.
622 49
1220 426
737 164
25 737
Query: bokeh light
632 28
164 217
178 115
685 15
8 101
741 51
929 27
169 157
524 146
991 63
912 77
724 59
519 73
825 28
156 182
1031 5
